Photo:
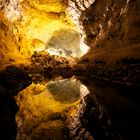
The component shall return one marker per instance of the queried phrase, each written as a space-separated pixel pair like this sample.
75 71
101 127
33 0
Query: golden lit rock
24 22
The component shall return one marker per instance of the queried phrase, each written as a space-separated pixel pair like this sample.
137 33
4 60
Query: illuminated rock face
67 40
26 26
75 9
109 28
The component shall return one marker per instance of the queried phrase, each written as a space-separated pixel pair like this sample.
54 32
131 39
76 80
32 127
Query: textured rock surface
112 30
26 26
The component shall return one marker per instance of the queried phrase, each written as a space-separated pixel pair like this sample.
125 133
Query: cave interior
69 69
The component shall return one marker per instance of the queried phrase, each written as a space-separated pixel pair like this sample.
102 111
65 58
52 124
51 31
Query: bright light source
12 10
58 52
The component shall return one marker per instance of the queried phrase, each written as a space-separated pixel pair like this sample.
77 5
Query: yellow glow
30 25
27 21
42 23
37 102
38 45
53 5
55 104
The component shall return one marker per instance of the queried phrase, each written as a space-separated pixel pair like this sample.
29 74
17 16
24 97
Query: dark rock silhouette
12 80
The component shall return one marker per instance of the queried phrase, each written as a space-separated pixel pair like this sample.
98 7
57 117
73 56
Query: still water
78 108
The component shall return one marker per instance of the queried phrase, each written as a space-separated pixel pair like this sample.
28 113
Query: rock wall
113 34
112 30
26 26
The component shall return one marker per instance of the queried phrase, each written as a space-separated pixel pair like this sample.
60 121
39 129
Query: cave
69 69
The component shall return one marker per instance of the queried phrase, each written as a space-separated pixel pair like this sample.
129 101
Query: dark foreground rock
126 72
112 111
12 80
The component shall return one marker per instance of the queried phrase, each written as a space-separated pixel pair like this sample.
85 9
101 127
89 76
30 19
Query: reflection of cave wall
112 112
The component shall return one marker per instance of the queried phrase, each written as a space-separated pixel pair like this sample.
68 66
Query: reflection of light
58 52
83 90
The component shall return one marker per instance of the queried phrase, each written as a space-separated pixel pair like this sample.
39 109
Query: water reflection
67 90
47 110
112 111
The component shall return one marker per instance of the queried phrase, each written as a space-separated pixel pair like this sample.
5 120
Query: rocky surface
124 73
112 30
27 27
45 66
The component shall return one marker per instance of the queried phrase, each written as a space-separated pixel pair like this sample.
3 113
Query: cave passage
69 69
65 43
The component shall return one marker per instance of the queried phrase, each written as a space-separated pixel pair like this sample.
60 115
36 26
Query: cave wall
112 30
112 67
26 26
7 39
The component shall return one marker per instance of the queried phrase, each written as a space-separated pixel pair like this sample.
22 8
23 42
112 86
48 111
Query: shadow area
112 112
